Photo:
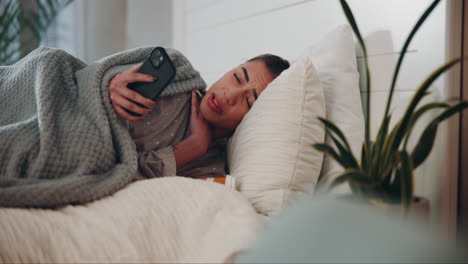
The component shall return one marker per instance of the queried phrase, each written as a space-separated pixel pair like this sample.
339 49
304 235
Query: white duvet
171 219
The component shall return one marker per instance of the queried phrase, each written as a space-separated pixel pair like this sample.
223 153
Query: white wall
218 35
105 27
149 22
101 28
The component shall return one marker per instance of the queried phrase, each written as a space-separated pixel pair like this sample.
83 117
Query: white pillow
335 60
270 153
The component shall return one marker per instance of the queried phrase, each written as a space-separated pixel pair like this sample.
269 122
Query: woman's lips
212 104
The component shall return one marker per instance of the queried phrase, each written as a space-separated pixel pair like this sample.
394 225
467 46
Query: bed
172 219
178 219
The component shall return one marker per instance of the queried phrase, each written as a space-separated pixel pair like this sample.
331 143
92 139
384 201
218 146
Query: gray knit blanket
60 140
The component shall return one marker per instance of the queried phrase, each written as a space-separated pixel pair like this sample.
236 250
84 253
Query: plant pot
419 210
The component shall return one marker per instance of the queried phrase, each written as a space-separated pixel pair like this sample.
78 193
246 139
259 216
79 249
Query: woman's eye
237 79
248 103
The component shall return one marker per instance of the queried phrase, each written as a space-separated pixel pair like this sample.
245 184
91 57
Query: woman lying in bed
179 135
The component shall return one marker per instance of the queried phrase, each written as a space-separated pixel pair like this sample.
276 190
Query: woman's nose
232 95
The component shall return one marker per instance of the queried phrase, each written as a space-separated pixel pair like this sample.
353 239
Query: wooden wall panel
463 176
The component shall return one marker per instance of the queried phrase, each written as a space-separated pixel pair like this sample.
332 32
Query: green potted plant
21 30
384 172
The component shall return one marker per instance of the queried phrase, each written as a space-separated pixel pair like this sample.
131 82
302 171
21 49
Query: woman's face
228 100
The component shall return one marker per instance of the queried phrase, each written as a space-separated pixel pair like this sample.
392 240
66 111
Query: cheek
210 116
229 119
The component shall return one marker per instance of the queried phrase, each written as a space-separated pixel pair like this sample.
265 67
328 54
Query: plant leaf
9 32
418 114
330 151
402 127
424 145
387 174
379 143
350 174
333 128
34 24
383 128
14 22
43 15
426 141
352 22
364 154
405 48
406 179
388 154
344 154
7 57
394 186
6 11
7 41
10 22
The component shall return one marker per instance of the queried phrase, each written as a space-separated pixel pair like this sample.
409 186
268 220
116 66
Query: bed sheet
170 219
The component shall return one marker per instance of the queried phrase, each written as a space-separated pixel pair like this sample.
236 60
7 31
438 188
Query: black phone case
160 66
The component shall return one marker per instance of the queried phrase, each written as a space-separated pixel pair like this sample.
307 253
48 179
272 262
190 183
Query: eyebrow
246 75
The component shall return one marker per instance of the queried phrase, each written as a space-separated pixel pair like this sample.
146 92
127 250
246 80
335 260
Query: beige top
167 125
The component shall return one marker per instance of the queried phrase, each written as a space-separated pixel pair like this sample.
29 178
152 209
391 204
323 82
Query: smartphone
160 66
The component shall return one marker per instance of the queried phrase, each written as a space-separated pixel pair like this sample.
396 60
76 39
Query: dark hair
275 64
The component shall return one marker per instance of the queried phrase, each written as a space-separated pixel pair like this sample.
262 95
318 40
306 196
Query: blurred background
91 30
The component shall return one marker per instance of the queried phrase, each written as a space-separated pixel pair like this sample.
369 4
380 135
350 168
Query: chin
206 112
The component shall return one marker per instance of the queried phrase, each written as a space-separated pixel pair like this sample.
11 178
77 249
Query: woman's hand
200 129
196 144
123 98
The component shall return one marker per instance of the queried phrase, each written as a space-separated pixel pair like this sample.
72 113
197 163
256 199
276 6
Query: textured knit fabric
60 139
167 125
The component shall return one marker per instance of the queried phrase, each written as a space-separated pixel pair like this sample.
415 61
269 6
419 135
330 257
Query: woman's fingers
135 68
194 104
117 87
123 98
125 114
131 77
120 101
136 97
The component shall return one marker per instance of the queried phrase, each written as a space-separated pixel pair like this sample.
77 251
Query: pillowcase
270 154
335 60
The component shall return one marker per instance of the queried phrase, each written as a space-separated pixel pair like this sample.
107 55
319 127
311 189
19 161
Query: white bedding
171 219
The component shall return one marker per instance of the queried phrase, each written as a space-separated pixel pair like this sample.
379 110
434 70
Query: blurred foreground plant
385 170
